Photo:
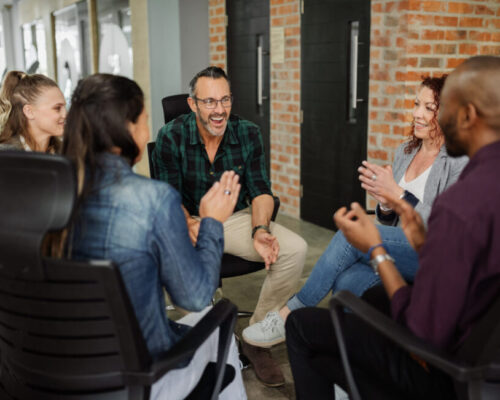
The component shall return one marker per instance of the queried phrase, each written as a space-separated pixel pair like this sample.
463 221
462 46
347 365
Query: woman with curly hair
421 170
32 113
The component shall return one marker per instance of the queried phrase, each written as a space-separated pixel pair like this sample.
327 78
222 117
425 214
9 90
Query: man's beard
450 131
206 123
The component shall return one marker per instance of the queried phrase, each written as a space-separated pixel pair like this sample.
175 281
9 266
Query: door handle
353 71
260 66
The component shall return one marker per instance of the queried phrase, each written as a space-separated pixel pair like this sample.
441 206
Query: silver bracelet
375 261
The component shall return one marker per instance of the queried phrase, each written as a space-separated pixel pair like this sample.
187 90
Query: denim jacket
138 223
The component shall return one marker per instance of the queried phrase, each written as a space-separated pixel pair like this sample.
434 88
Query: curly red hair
436 85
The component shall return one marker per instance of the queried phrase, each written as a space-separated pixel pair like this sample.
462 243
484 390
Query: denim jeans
343 267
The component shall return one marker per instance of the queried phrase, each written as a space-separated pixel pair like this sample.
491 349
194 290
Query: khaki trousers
283 276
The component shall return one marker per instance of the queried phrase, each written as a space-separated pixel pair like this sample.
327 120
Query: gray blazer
444 172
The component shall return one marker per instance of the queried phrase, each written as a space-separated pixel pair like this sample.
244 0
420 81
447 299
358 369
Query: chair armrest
403 337
276 207
222 315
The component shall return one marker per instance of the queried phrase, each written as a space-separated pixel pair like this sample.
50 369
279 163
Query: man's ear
28 111
192 104
467 116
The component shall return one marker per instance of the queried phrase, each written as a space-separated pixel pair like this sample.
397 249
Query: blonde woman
32 113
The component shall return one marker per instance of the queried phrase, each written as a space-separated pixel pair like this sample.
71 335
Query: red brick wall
285 109
409 38
217 32
413 38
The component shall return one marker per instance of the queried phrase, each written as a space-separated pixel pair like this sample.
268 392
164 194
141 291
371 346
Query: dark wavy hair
209 72
436 85
101 107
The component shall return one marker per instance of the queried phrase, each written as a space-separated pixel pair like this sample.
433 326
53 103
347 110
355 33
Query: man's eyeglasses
210 103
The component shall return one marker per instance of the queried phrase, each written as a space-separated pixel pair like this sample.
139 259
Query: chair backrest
67 329
175 105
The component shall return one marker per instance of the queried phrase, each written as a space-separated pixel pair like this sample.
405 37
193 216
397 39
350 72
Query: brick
466 48
430 62
293 192
378 154
376 8
445 49
420 20
495 23
381 41
419 49
460 8
456 35
381 128
392 117
408 62
432 35
433 6
373 115
391 21
277 22
390 6
446 21
490 50
390 55
471 22
483 10
390 89
391 143
480 36
284 159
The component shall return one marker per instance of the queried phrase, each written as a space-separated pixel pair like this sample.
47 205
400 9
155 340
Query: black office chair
68 329
475 368
231 265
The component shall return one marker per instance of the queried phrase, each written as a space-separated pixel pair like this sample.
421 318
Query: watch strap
379 258
256 228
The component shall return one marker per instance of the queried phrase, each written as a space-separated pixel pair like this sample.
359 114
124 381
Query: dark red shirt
459 273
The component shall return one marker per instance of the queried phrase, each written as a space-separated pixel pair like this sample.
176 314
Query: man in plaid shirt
191 154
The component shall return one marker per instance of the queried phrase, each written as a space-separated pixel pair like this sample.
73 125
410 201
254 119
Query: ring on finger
374 177
227 191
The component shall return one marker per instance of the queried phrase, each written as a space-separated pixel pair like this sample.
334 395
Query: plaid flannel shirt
181 160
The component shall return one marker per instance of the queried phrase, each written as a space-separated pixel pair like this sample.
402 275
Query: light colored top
444 171
417 185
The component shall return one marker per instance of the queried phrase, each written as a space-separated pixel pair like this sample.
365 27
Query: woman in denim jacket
139 224
422 169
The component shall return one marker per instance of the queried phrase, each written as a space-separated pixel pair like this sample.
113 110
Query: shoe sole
265 345
271 385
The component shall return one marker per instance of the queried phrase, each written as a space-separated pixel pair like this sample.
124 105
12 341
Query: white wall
178 48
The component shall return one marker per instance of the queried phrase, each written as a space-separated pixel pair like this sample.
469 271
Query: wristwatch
256 228
375 261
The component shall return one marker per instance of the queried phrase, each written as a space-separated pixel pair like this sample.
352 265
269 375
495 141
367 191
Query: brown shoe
266 369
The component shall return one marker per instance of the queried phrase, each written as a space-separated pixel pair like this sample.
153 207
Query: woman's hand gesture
220 200
377 180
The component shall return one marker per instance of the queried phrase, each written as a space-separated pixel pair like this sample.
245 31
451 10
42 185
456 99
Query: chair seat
236 266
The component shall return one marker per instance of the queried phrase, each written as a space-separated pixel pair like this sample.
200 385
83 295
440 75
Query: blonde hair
19 89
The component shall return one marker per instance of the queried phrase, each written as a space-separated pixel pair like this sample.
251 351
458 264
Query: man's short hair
209 72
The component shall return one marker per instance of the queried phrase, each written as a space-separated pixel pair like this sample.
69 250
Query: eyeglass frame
203 101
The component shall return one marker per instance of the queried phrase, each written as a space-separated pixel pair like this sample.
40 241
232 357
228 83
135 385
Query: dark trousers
381 369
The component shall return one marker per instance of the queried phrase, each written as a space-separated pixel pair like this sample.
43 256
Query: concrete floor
244 291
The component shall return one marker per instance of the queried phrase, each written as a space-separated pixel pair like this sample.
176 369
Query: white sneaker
266 333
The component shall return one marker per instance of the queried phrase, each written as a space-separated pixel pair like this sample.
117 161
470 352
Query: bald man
459 262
